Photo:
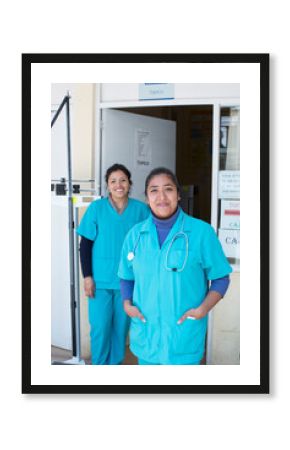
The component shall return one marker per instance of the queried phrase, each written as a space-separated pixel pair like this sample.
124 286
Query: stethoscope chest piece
130 256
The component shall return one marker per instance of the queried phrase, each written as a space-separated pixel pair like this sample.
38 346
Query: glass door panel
229 184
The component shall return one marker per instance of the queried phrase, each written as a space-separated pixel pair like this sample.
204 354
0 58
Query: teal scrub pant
109 326
142 362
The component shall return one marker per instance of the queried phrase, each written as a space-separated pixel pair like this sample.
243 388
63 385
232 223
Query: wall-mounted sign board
230 240
230 214
143 149
156 91
229 184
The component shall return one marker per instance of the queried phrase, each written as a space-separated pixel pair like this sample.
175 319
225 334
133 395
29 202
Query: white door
139 142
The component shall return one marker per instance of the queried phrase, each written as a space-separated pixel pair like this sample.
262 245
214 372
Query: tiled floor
58 354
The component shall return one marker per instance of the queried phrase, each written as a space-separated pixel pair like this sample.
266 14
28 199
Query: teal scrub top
107 229
163 296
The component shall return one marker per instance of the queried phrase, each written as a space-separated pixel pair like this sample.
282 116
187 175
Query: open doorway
194 125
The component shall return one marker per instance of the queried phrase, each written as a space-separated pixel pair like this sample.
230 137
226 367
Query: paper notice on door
230 240
230 214
229 184
142 149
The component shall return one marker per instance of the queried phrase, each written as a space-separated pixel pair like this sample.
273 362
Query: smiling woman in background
103 229
166 265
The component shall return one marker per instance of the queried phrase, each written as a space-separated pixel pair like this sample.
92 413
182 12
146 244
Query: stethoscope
181 233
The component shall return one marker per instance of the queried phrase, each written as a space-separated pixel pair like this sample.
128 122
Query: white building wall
226 326
82 108
116 92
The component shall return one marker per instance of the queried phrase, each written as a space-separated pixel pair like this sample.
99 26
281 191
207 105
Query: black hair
162 171
116 167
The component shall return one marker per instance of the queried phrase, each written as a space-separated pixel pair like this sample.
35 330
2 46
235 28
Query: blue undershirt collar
166 223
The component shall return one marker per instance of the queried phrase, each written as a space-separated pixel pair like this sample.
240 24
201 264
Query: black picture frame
263 61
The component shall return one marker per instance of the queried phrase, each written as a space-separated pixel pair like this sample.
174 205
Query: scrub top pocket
179 258
189 337
176 259
137 330
145 340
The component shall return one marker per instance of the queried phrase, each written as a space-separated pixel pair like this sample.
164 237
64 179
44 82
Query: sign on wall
156 91
230 214
142 149
230 240
229 184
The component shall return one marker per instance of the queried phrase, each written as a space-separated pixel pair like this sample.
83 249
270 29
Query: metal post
77 291
75 325
71 230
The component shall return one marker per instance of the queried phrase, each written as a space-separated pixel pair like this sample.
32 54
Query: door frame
216 103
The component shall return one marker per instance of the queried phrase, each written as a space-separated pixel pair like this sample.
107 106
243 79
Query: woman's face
118 185
162 196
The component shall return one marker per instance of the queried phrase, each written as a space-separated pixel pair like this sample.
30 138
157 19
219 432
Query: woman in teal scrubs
173 272
103 229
